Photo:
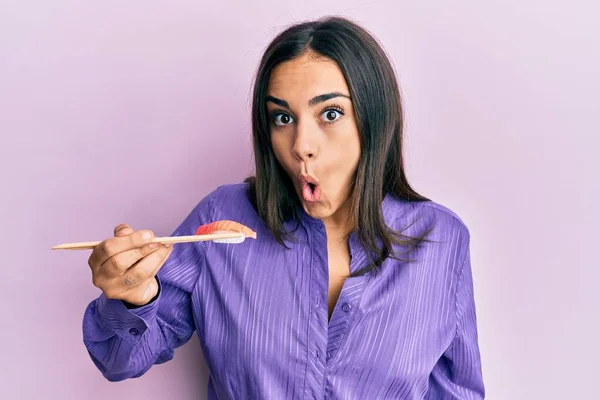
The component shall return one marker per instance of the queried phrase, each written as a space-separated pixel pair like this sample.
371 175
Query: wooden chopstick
166 239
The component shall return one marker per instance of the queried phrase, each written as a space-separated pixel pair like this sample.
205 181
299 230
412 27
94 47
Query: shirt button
328 355
134 331
318 353
346 307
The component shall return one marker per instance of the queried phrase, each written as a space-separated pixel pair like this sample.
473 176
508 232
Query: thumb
151 290
123 230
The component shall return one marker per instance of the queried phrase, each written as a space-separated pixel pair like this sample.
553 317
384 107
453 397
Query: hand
124 267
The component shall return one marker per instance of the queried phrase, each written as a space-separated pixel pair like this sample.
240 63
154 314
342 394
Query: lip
305 178
311 191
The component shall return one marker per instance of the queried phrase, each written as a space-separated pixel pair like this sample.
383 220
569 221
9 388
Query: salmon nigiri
224 226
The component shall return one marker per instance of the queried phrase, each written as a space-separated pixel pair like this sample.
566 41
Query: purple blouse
260 312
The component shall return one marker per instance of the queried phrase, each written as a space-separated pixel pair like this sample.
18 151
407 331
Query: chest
264 308
338 261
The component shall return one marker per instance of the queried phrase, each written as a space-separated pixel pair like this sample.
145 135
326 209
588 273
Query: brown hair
379 116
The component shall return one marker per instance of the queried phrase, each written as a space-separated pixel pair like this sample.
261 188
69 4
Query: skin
304 142
125 266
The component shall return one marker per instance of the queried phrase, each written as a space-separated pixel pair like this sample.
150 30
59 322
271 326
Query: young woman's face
314 132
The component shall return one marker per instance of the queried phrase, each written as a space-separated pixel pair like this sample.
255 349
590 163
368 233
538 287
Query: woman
322 304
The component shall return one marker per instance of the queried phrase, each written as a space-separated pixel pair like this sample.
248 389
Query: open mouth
311 190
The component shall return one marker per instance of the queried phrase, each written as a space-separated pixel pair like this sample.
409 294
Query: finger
146 268
119 230
116 245
145 292
141 294
121 262
168 252
123 230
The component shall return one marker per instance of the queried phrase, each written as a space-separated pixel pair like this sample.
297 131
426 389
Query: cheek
347 151
281 149
278 146
354 152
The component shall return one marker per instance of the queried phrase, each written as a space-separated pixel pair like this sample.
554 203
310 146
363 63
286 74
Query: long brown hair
379 116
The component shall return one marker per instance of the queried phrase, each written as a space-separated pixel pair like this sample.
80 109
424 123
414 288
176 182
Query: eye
282 119
331 115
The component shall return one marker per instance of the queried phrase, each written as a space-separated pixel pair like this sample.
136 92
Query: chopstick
166 239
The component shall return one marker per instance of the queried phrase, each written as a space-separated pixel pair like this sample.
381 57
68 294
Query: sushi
226 226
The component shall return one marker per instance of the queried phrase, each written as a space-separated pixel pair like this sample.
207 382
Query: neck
341 222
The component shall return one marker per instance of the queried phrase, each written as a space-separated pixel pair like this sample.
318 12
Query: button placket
317 330
350 295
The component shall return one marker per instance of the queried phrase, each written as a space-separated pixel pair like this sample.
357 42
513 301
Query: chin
317 210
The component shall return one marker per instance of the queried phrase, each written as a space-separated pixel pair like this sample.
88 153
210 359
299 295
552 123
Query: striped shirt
261 312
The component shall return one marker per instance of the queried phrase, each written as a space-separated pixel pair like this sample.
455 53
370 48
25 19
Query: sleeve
125 342
458 374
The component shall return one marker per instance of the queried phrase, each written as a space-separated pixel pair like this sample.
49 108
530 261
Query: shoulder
229 193
413 218
447 216
227 201
399 211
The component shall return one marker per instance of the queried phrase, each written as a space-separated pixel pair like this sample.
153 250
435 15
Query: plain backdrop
132 111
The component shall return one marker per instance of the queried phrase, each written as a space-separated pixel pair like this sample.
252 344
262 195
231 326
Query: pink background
131 111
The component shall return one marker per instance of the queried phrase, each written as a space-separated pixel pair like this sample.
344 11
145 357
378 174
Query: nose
305 145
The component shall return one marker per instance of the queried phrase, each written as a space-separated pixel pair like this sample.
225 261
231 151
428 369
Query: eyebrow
315 100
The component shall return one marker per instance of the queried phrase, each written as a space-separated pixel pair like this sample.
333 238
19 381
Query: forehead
305 77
